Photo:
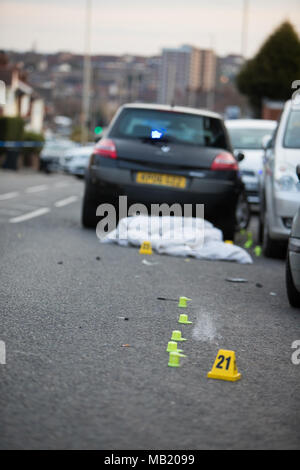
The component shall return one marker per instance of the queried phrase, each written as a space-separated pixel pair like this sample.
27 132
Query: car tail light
224 161
106 148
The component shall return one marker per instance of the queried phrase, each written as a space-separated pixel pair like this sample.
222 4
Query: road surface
79 375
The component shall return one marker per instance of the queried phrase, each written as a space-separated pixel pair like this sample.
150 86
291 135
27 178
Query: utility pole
86 91
210 97
245 28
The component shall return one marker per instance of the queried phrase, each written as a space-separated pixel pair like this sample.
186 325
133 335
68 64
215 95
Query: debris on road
238 280
149 263
224 367
164 298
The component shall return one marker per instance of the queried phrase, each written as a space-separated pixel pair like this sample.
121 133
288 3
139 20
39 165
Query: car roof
175 109
251 123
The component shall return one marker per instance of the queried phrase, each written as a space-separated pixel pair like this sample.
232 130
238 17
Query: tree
271 72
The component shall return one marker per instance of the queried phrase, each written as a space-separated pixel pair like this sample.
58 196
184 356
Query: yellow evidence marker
225 367
146 248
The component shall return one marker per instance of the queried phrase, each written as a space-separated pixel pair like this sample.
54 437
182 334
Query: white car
53 153
247 137
280 187
76 161
293 261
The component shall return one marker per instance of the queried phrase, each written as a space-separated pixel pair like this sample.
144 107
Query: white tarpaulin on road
177 236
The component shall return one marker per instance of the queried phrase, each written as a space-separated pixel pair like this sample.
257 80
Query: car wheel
293 294
271 248
228 227
243 213
89 207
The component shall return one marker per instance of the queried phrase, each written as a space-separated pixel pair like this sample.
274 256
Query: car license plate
161 180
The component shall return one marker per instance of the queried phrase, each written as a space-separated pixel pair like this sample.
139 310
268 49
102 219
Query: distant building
185 72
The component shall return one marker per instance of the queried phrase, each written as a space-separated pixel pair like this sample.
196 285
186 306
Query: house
20 99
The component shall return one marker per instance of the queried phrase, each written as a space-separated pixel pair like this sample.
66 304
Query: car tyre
293 294
89 207
228 227
271 248
242 213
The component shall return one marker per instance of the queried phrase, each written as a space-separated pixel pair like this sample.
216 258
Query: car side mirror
239 156
298 171
266 142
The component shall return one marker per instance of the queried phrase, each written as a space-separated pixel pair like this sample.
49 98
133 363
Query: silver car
279 185
75 161
247 137
293 261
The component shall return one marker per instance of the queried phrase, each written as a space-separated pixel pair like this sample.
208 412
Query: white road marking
36 189
4 197
65 202
62 184
30 215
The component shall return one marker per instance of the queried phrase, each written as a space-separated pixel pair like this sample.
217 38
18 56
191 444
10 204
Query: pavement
80 376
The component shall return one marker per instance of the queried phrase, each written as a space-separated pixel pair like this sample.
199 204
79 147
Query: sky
141 27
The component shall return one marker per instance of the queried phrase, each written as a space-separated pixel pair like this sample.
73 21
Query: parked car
75 161
293 260
164 154
279 185
53 153
247 136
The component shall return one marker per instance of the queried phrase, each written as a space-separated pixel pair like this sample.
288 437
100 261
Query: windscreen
170 126
292 133
248 139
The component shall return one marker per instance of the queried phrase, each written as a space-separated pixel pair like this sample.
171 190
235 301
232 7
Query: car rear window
292 132
248 138
170 126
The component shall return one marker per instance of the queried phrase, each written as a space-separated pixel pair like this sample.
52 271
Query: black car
163 154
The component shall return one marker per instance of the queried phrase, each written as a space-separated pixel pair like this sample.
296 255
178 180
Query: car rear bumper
213 193
281 213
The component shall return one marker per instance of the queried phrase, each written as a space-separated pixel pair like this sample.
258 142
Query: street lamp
245 27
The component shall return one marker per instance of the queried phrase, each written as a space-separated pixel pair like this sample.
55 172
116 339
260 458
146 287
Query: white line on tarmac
4 197
62 184
30 215
36 189
65 202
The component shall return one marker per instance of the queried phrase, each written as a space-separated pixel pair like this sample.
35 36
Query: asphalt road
69 382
